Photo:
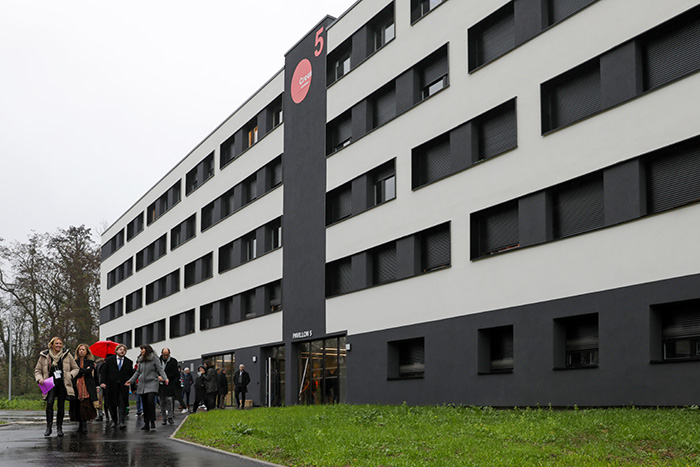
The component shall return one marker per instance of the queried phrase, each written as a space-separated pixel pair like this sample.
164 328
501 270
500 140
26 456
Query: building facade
489 203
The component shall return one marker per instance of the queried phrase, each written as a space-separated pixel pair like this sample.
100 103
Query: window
134 301
151 253
183 232
250 247
497 131
433 73
578 206
580 339
164 203
200 174
163 287
495 229
558 10
680 330
435 248
339 277
120 273
275 294
134 227
251 131
673 176
572 96
339 204
492 37
496 350
112 311
123 338
275 231
406 358
384 105
250 189
339 133
383 28
206 317
227 151
199 270
275 111
274 168
420 8
153 332
431 161
339 62
182 324
384 181
384 264
112 245
248 304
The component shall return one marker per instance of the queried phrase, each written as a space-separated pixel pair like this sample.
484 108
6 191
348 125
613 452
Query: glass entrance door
227 362
322 371
275 375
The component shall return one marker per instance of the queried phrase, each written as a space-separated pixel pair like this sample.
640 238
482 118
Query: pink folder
47 386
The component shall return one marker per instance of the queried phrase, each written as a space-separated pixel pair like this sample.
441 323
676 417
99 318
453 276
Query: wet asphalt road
24 444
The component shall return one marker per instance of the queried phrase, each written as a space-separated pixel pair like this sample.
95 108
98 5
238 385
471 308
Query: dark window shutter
576 97
383 172
498 132
582 333
435 161
385 107
671 52
673 179
435 250
345 276
412 357
681 324
560 9
436 68
497 36
384 265
579 207
498 229
343 130
344 201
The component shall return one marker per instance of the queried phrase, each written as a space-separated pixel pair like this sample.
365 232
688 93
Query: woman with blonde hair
58 363
82 408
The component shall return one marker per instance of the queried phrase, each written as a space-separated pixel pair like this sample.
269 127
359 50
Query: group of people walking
78 379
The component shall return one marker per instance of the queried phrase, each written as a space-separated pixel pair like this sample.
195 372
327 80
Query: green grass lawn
22 403
343 435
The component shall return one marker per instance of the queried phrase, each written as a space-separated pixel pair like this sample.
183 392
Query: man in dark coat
222 386
241 379
169 392
211 384
116 370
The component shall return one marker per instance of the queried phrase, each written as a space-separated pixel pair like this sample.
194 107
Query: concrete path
22 443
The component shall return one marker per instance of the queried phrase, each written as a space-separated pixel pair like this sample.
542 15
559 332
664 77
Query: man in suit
222 386
240 385
169 392
116 370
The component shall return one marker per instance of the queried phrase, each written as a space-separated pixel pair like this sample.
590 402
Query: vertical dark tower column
304 172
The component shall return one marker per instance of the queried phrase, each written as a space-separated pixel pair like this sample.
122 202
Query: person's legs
60 407
112 402
50 398
123 403
242 399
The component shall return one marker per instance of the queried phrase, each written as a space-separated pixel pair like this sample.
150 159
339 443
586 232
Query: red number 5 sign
318 43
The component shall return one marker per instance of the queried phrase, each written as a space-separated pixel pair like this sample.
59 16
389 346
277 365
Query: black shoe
170 421
48 430
153 425
99 419
164 422
145 427
85 430
122 426
59 430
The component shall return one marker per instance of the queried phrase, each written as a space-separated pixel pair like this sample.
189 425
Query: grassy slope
452 436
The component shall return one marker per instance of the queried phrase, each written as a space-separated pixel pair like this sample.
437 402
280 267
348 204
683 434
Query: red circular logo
301 81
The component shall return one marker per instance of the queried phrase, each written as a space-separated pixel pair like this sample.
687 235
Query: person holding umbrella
82 409
101 349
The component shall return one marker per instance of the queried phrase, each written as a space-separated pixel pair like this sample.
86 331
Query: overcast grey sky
99 99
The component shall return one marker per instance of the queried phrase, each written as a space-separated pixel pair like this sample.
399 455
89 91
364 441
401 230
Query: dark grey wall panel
529 19
624 376
620 74
535 219
304 221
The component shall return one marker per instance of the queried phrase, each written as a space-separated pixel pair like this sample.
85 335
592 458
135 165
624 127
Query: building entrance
227 362
322 378
275 376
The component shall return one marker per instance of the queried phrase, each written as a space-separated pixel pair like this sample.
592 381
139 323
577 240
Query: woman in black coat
200 390
82 408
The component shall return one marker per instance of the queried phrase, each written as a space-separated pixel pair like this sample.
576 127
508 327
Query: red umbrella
103 348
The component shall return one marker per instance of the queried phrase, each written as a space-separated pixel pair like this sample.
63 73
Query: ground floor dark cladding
637 345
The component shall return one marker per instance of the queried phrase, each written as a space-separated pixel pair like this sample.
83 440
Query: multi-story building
479 202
